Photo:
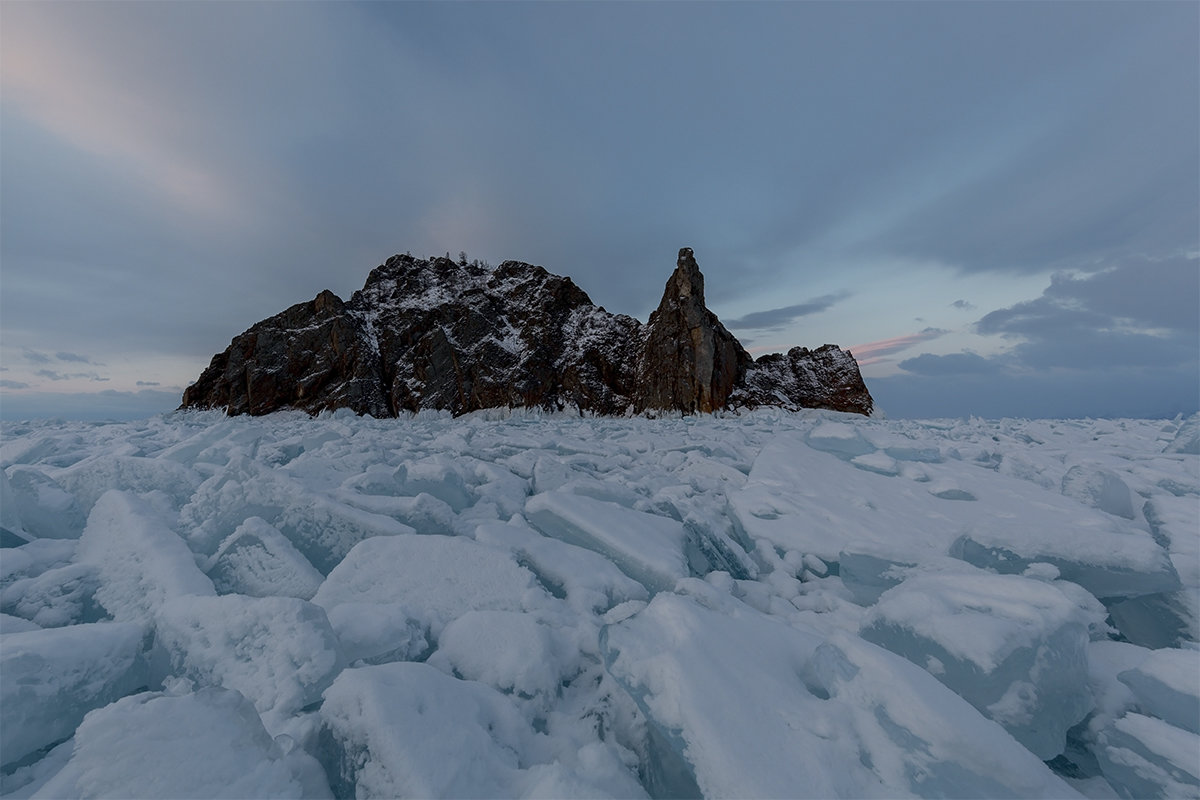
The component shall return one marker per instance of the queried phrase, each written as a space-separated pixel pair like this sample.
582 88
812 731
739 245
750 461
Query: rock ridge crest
457 336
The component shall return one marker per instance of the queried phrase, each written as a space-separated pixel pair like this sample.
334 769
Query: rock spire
690 362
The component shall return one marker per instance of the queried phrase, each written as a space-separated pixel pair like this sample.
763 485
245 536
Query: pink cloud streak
874 352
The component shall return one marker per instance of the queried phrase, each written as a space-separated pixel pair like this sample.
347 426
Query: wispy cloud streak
875 352
776 318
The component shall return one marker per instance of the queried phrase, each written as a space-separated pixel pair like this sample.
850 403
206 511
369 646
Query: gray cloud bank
952 364
94 406
1118 341
1120 392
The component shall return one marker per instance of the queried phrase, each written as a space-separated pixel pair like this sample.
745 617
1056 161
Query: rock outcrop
827 377
440 334
689 362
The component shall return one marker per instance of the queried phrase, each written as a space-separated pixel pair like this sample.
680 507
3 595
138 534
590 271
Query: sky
994 206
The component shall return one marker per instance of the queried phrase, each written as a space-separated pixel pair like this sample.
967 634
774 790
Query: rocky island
440 334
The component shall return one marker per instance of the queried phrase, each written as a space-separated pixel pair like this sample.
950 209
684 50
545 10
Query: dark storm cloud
776 318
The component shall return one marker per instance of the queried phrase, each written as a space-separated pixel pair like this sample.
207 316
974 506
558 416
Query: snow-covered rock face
439 334
525 605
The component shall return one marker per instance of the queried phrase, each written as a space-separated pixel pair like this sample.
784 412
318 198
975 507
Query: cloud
776 318
1041 319
963 305
1139 312
952 364
7 384
1086 186
105 405
1121 391
34 357
61 356
148 383
874 352
52 375
1150 293
81 74
1117 341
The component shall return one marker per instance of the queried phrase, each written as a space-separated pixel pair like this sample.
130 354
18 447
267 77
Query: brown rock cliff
440 334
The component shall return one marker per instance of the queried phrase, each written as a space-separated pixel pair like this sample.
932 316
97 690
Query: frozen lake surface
522 605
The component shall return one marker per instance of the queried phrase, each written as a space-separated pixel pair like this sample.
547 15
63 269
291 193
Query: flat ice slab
1111 563
1142 757
1015 648
436 578
49 679
1167 685
768 725
647 547
207 744
280 652
408 730
141 562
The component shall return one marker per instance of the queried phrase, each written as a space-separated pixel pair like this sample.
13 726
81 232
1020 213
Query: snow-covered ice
279 652
141 561
1147 757
768 724
1166 684
527 605
45 509
647 547
1014 647
260 561
436 578
50 678
206 744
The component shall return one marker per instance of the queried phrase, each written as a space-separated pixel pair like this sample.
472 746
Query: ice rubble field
765 605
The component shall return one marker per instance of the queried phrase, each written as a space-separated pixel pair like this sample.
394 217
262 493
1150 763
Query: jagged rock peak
690 361
440 334
687 281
